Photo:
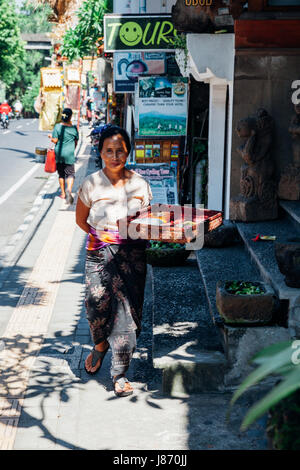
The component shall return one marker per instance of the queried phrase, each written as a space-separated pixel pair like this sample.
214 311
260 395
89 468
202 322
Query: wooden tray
171 223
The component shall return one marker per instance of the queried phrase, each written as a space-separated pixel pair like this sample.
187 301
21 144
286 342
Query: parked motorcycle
95 135
4 120
99 119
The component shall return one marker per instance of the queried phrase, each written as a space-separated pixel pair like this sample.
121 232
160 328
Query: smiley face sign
131 33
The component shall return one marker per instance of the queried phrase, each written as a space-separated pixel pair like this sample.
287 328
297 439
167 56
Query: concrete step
239 342
292 210
186 344
227 263
262 253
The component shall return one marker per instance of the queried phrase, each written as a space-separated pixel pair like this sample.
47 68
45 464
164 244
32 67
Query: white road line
6 132
28 123
19 127
18 184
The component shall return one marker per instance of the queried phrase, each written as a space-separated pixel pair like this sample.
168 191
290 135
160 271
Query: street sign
138 32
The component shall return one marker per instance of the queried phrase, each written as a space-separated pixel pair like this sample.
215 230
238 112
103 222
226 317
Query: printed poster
162 106
129 66
162 178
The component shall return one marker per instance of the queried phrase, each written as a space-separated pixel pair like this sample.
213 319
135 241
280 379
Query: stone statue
289 184
258 199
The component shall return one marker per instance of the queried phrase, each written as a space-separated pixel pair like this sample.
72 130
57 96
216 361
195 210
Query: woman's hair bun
66 114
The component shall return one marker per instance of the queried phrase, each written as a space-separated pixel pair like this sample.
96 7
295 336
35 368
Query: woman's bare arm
54 140
82 213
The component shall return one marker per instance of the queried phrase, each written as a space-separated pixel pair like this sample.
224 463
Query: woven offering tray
172 223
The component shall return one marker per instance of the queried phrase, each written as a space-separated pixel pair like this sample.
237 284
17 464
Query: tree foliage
34 18
11 46
26 80
81 41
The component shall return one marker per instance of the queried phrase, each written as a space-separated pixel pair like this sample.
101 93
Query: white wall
153 6
160 6
126 6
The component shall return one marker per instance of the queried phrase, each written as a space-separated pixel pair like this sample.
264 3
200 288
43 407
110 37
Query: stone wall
264 80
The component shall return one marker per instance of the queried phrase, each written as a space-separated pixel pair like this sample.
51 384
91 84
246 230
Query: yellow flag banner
51 110
51 78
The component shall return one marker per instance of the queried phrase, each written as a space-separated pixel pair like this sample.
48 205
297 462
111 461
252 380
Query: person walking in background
18 107
65 136
89 109
115 269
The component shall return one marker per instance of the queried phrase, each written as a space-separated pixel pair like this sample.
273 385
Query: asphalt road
21 177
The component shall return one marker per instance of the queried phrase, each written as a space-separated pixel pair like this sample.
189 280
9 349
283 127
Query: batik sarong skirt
115 281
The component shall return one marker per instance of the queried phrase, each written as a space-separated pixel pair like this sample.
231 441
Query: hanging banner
162 178
162 106
51 110
72 98
51 78
138 32
72 75
129 66
89 64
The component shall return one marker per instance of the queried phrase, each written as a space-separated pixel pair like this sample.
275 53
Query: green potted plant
166 254
181 52
283 401
245 301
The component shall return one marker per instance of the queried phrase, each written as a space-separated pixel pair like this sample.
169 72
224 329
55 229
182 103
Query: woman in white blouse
115 266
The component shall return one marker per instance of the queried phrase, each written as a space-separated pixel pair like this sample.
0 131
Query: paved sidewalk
48 402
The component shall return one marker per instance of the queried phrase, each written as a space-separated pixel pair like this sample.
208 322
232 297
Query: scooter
99 119
4 120
95 135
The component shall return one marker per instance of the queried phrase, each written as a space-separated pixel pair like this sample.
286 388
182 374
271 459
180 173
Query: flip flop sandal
96 355
69 197
121 380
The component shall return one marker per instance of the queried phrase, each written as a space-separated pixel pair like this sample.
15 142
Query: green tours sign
138 32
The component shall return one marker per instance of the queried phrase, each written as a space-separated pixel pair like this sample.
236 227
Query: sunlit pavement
47 401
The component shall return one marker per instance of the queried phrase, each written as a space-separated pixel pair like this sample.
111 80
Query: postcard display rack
158 150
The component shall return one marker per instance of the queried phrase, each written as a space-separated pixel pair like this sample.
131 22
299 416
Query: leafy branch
179 42
84 38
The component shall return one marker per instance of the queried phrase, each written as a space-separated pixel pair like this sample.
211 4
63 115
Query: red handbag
50 163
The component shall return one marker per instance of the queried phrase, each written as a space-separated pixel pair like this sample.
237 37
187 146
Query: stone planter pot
167 256
287 253
247 308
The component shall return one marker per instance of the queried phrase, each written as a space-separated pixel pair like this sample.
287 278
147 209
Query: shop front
155 95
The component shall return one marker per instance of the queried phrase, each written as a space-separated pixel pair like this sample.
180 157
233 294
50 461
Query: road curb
20 240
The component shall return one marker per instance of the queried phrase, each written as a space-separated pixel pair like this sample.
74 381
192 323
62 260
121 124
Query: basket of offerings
166 254
170 223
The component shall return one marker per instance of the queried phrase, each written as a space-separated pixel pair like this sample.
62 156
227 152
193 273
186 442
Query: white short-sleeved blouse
108 204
